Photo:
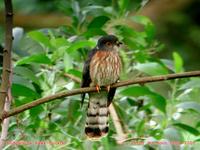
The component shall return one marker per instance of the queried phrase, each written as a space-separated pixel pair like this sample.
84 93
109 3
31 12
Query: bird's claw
98 88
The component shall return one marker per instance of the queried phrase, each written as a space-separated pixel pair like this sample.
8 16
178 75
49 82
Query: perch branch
141 80
5 90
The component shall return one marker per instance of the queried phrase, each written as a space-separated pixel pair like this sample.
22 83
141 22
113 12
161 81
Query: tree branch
6 54
141 80
5 90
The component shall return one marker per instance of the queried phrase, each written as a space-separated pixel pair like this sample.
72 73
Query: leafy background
163 111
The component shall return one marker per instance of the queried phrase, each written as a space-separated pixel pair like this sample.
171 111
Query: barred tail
97 116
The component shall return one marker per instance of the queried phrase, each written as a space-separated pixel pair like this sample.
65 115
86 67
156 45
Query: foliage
165 111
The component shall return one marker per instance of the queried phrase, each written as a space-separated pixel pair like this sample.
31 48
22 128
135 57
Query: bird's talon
98 88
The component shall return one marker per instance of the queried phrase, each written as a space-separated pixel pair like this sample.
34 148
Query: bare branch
75 79
5 85
5 94
121 136
142 80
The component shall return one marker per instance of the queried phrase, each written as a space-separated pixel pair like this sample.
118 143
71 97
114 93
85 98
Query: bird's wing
86 80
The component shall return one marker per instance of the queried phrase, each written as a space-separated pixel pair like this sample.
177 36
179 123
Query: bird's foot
108 88
98 88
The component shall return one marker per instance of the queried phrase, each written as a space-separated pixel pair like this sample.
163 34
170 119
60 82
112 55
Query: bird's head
108 42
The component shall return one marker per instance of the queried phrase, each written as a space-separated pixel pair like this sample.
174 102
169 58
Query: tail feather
97 115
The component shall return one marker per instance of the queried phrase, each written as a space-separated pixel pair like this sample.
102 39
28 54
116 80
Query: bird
102 68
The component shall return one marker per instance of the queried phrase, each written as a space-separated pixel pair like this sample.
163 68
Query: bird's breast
105 67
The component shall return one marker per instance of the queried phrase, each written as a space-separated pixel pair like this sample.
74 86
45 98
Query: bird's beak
118 43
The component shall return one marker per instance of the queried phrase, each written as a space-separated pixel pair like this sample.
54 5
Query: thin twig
76 79
5 94
141 80
121 135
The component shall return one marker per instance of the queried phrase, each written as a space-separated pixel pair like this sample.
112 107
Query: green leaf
22 81
75 72
173 134
151 68
98 22
21 90
148 26
150 31
141 20
80 44
178 62
38 58
67 62
198 124
97 10
22 100
59 42
141 56
35 111
39 37
123 5
187 128
190 105
93 31
197 140
157 100
193 83
131 37
58 53
26 73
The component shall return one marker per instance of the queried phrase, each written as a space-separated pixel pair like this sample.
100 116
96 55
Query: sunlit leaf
40 37
38 58
59 42
75 72
189 105
123 5
58 54
178 62
142 20
80 44
67 62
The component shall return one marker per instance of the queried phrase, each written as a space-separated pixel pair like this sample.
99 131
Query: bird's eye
108 44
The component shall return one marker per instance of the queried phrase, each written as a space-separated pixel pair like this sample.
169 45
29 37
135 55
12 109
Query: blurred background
177 22
51 41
